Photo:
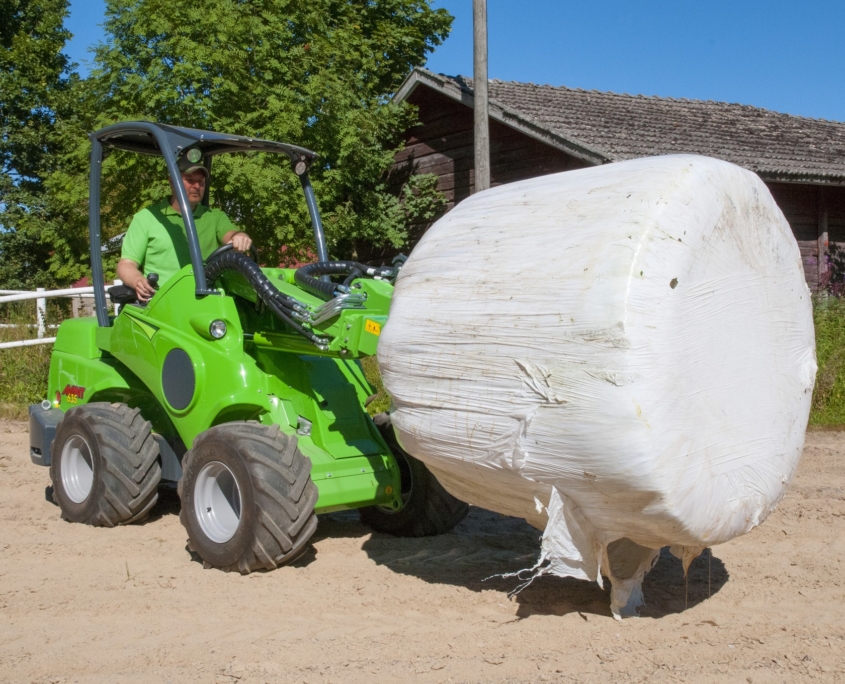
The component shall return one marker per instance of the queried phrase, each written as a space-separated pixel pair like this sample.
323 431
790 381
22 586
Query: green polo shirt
157 242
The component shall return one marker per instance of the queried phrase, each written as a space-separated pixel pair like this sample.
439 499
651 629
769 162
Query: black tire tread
132 471
442 510
285 495
431 510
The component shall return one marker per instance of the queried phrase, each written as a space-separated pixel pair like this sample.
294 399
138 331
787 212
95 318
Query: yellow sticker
373 328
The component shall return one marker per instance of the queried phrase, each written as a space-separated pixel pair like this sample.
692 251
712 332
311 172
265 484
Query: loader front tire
429 509
247 498
105 467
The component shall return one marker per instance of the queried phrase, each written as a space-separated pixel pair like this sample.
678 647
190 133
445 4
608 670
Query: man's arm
241 242
130 274
132 255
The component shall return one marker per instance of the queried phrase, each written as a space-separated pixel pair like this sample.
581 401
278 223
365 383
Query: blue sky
783 55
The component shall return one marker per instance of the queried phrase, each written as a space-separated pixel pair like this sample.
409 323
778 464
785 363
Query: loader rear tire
247 498
429 509
105 467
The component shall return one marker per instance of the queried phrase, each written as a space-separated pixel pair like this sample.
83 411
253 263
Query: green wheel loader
242 384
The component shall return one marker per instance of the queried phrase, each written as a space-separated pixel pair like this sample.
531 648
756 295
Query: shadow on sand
488 545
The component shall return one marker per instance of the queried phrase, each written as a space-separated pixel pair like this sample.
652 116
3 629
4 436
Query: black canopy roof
138 136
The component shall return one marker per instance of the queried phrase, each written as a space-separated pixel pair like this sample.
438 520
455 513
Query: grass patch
23 370
829 394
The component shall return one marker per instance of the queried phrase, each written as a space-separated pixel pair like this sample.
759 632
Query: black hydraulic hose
279 303
235 261
307 277
283 315
355 273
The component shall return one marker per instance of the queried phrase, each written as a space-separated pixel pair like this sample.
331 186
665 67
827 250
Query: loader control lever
123 294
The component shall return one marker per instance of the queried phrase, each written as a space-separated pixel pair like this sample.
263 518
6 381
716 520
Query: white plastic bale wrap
622 355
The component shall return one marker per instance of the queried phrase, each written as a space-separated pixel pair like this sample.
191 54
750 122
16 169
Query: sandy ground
80 604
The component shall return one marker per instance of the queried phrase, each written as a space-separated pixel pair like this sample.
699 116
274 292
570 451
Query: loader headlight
217 329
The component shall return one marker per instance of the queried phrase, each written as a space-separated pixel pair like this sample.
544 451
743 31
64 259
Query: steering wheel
228 247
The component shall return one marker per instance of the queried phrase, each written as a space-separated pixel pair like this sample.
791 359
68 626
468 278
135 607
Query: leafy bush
381 401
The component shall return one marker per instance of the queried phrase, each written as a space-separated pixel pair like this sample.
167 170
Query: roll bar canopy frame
170 142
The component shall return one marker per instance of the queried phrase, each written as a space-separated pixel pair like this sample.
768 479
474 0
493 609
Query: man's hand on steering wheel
241 242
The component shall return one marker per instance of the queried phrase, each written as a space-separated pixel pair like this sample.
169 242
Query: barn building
538 129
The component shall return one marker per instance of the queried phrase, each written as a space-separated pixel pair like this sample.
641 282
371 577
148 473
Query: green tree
35 85
317 73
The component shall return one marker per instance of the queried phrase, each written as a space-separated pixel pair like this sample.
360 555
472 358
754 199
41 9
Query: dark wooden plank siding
800 205
806 207
834 202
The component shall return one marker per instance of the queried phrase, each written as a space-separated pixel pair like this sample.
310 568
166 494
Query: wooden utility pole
479 84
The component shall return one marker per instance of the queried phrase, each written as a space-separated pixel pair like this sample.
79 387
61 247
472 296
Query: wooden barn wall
443 144
816 214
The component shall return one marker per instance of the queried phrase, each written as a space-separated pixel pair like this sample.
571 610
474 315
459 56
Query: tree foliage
317 73
35 86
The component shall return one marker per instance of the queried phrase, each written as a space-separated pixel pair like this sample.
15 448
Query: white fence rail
27 343
40 295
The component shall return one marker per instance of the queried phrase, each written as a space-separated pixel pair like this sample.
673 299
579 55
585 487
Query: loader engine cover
622 355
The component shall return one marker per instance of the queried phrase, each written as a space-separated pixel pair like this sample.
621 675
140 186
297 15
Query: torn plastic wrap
622 355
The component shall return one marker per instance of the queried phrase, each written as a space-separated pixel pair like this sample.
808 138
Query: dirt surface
81 604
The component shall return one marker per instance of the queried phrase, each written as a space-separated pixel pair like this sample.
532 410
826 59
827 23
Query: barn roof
601 127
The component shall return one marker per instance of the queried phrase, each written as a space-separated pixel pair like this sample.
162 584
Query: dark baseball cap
191 161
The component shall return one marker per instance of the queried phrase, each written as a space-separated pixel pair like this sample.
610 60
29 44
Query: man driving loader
156 241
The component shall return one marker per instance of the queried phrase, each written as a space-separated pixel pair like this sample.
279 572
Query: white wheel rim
77 469
217 502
